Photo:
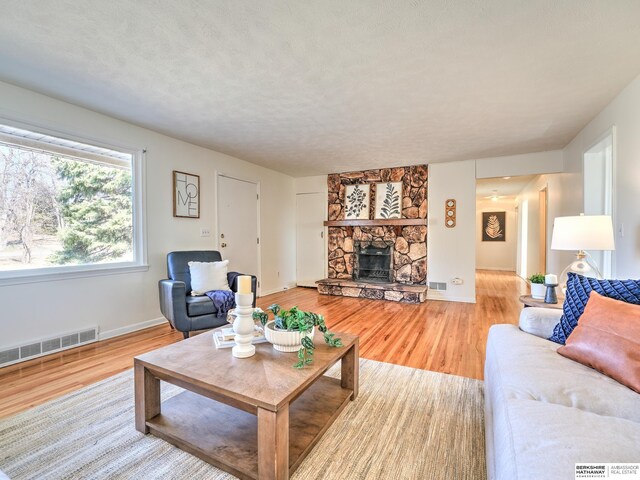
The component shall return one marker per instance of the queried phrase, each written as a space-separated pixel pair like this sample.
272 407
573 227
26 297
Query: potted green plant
292 331
537 286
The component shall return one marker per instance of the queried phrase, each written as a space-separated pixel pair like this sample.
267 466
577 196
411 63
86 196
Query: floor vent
49 345
437 285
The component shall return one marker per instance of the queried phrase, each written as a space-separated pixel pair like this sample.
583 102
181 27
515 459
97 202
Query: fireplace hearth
373 263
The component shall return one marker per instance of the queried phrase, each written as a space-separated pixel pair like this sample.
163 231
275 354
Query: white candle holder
244 326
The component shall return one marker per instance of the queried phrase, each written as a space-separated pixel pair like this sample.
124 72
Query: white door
310 215
238 224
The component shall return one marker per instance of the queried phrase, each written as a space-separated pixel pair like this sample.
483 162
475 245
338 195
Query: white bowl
285 340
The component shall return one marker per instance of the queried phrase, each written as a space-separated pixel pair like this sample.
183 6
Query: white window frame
62 272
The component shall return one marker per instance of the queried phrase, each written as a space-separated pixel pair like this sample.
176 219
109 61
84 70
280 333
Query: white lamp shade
584 232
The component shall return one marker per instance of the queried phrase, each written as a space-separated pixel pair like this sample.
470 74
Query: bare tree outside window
57 210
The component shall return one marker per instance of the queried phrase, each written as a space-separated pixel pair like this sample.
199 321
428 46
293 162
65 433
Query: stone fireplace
377 258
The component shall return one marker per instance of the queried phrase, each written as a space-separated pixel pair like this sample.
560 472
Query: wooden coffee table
254 417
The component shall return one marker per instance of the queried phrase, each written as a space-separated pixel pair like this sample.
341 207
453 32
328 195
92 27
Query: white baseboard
264 293
116 332
497 269
432 295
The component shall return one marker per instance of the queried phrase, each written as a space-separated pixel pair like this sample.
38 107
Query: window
66 206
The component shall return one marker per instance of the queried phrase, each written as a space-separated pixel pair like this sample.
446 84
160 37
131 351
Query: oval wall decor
450 213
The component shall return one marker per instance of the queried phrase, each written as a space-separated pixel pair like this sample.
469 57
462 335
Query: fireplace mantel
376 223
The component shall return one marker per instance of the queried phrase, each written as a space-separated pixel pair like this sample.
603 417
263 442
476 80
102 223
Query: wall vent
70 340
9 356
437 285
30 350
87 336
38 348
51 345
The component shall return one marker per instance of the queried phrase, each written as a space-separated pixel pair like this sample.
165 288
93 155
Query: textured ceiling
317 87
504 187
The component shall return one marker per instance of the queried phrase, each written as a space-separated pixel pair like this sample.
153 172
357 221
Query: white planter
538 291
285 340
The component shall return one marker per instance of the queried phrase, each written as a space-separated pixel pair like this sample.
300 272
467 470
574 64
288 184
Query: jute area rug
405 424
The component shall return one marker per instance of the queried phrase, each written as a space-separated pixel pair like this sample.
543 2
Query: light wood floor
441 336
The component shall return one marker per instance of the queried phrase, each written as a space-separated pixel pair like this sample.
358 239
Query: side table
529 301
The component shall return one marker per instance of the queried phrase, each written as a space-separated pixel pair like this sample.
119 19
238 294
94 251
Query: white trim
116 332
436 295
59 273
611 131
497 269
217 176
279 289
139 220
42 127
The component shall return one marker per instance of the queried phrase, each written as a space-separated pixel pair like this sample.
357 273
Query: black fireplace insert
373 263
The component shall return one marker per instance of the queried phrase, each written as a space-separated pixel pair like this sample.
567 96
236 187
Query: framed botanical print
186 195
356 202
388 200
493 226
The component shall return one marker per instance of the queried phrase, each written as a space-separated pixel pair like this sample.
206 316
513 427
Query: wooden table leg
147 397
273 444
350 370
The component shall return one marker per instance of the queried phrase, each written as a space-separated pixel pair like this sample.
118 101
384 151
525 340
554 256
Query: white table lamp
581 233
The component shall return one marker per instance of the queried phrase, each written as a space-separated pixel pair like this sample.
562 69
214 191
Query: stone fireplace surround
407 242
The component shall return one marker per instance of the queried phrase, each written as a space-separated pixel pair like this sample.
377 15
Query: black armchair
184 312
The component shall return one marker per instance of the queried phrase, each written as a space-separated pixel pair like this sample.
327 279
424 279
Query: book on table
224 337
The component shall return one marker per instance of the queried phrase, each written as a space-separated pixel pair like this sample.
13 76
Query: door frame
217 176
324 234
612 132
543 225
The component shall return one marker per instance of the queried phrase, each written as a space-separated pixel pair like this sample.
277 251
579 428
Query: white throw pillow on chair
206 276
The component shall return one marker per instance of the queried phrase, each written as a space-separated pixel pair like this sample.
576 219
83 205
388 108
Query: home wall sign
186 195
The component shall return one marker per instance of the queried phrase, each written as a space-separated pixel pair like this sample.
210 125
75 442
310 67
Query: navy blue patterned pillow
577 295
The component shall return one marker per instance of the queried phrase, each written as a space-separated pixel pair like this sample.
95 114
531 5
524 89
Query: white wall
561 201
317 183
451 251
497 255
516 165
623 113
117 303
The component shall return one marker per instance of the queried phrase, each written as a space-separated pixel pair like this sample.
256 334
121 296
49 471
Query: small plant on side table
537 278
537 286
296 320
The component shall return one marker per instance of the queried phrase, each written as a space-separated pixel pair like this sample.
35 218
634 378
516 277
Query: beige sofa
544 413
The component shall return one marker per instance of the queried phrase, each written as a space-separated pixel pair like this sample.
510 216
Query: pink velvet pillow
607 339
